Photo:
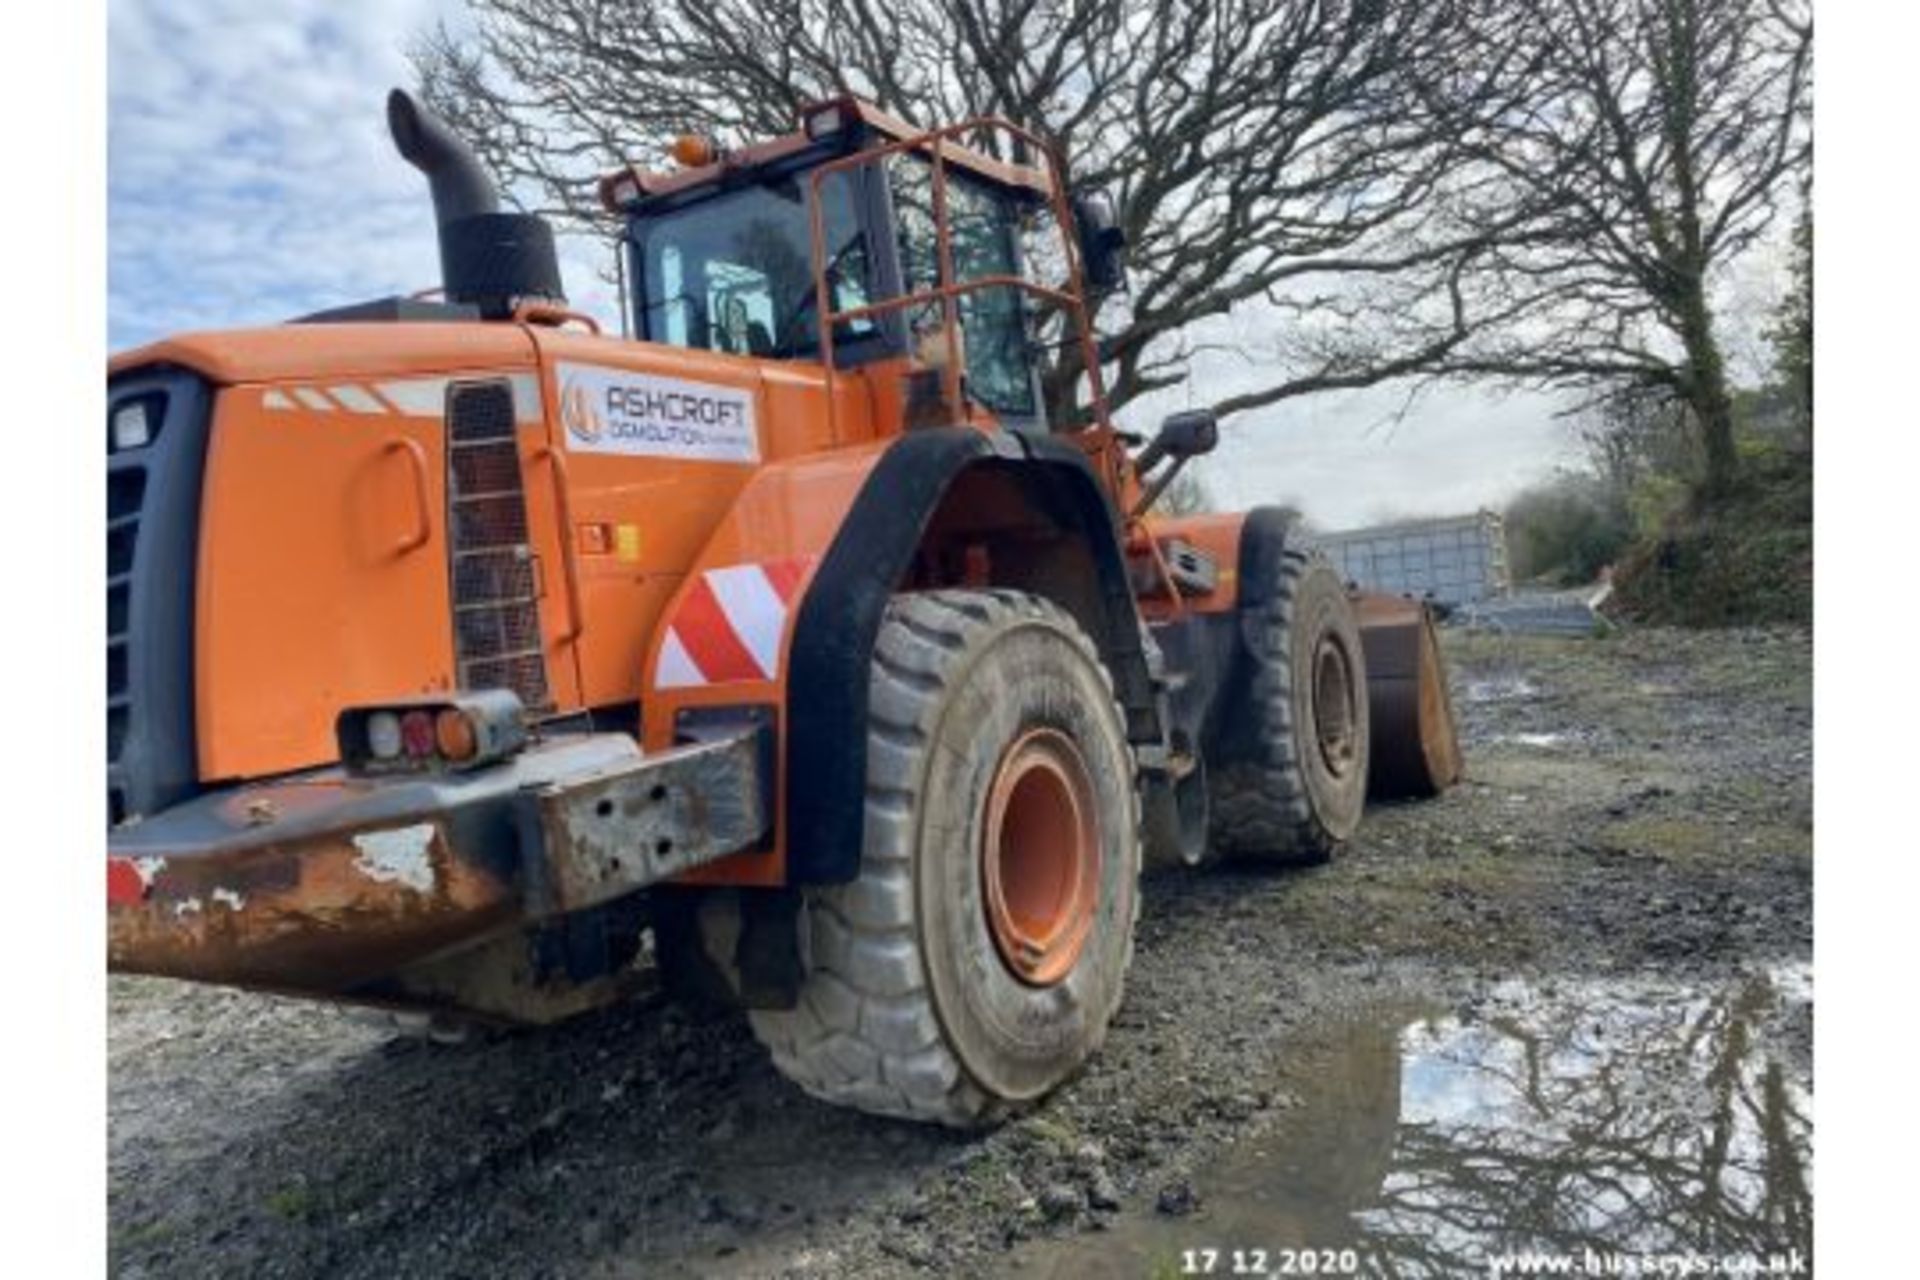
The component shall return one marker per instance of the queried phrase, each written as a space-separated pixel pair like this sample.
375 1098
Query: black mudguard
839 621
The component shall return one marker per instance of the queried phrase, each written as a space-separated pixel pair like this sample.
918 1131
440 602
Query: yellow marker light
626 542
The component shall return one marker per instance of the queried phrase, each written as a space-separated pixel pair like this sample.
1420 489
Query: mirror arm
1158 485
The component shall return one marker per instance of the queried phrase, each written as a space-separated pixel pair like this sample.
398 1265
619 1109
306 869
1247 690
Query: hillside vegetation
1740 559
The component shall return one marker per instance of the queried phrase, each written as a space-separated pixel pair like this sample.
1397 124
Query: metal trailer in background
1452 560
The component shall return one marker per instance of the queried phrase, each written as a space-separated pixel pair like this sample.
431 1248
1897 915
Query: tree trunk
1707 394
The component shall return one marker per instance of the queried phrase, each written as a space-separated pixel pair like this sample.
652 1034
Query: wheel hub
1333 709
1040 857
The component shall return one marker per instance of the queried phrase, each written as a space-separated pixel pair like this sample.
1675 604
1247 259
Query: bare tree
1651 142
1263 154
1188 495
1636 433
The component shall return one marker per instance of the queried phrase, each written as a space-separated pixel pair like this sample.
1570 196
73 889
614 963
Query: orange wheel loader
456 651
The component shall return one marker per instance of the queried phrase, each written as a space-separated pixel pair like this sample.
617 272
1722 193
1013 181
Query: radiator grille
496 606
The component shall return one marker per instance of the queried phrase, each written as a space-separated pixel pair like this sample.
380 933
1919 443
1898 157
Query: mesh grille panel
490 520
520 673
480 411
496 607
487 467
497 629
492 575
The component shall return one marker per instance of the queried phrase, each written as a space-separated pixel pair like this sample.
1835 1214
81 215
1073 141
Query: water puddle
1624 1119
1539 741
1500 689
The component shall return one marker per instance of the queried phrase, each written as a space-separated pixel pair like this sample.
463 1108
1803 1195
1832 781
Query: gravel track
1636 805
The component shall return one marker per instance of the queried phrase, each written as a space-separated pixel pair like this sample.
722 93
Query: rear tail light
462 732
454 736
383 735
416 733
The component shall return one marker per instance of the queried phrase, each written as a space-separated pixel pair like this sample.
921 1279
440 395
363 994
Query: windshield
734 273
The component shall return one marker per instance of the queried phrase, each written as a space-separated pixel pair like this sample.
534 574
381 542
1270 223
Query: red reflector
125 884
416 733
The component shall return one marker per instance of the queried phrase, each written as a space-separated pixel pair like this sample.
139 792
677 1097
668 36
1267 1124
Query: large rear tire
1297 794
976 961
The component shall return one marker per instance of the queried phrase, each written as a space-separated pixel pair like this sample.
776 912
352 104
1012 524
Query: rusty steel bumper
321 882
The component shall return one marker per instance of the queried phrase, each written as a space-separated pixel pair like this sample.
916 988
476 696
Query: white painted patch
676 670
228 899
398 855
276 399
416 397
314 399
148 868
526 398
358 399
758 614
187 907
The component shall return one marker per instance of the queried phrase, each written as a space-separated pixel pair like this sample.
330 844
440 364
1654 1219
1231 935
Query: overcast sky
251 179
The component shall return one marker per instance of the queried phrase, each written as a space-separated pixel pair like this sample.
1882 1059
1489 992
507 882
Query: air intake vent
496 607
153 513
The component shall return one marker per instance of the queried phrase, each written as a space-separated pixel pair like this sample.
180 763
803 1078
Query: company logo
577 412
625 411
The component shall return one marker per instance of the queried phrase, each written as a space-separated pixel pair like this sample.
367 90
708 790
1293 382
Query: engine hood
278 353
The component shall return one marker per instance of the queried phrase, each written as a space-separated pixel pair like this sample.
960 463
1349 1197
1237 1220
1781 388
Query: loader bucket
1416 750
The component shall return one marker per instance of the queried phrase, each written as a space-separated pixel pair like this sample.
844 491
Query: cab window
734 272
984 226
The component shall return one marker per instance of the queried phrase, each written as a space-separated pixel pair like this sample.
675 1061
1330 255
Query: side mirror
1184 435
1103 245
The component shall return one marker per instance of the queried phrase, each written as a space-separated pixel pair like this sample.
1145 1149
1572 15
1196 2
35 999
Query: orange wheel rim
1040 857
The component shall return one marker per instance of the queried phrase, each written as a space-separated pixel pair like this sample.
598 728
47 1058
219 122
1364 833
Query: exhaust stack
489 259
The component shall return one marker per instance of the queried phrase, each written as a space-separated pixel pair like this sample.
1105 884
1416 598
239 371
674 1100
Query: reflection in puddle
1631 1118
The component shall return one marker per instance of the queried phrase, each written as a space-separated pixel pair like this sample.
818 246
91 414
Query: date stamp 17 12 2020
1269 1262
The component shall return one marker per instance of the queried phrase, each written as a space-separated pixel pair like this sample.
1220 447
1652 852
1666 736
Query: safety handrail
947 291
563 510
553 314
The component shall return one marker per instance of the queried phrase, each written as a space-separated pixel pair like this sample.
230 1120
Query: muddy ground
1624 880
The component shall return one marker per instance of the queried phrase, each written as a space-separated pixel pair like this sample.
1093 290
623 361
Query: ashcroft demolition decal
618 411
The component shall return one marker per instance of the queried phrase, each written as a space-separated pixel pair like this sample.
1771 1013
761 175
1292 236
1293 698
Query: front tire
977 959
1296 795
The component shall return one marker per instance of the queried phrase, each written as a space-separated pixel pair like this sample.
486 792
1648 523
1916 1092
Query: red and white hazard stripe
729 625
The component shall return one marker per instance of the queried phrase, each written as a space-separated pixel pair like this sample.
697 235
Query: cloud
250 175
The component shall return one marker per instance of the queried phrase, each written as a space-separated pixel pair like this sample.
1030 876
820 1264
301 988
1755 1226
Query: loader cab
720 257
